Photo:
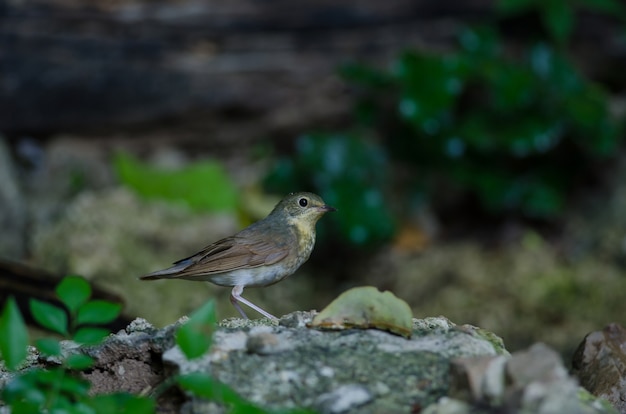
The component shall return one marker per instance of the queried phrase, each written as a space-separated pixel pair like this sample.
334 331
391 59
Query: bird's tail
168 273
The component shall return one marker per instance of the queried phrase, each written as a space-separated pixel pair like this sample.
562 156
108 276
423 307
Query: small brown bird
262 254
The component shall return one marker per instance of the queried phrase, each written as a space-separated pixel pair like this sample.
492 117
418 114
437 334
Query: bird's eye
303 202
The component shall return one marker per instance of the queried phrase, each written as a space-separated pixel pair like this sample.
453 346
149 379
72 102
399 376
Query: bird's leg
235 298
235 303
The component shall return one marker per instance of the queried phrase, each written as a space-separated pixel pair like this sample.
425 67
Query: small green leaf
90 335
13 335
122 403
79 362
48 346
98 312
73 292
194 337
49 316
192 341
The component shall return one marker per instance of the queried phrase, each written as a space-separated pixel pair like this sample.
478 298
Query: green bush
511 130
517 134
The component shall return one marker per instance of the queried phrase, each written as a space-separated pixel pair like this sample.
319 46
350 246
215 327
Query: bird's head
302 208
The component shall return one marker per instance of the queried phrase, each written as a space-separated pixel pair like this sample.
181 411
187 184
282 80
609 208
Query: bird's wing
231 253
237 253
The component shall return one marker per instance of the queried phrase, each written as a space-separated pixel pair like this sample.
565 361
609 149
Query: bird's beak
326 208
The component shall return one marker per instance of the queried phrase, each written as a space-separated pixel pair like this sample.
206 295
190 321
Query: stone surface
600 364
365 371
443 369
530 381
310 365
279 366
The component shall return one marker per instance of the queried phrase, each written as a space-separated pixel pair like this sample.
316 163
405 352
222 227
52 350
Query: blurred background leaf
203 185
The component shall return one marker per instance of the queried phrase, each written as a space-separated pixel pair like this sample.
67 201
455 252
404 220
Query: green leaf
192 341
194 337
49 316
122 403
73 292
79 362
48 346
13 335
98 312
90 335
188 184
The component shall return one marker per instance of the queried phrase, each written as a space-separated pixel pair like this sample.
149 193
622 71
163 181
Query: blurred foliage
350 174
515 133
512 129
202 186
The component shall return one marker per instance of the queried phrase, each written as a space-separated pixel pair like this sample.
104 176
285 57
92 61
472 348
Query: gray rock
281 367
287 365
343 399
364 371
536 381
600 364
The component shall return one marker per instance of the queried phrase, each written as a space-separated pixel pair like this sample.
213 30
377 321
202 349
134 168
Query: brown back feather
234 253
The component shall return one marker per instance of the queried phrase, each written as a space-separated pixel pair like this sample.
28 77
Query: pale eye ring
303 202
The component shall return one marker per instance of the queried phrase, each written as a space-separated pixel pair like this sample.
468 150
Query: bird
262 254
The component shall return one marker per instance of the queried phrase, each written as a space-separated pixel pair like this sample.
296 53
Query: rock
280 367
443 369
530 381
600 364
343 399
364 371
